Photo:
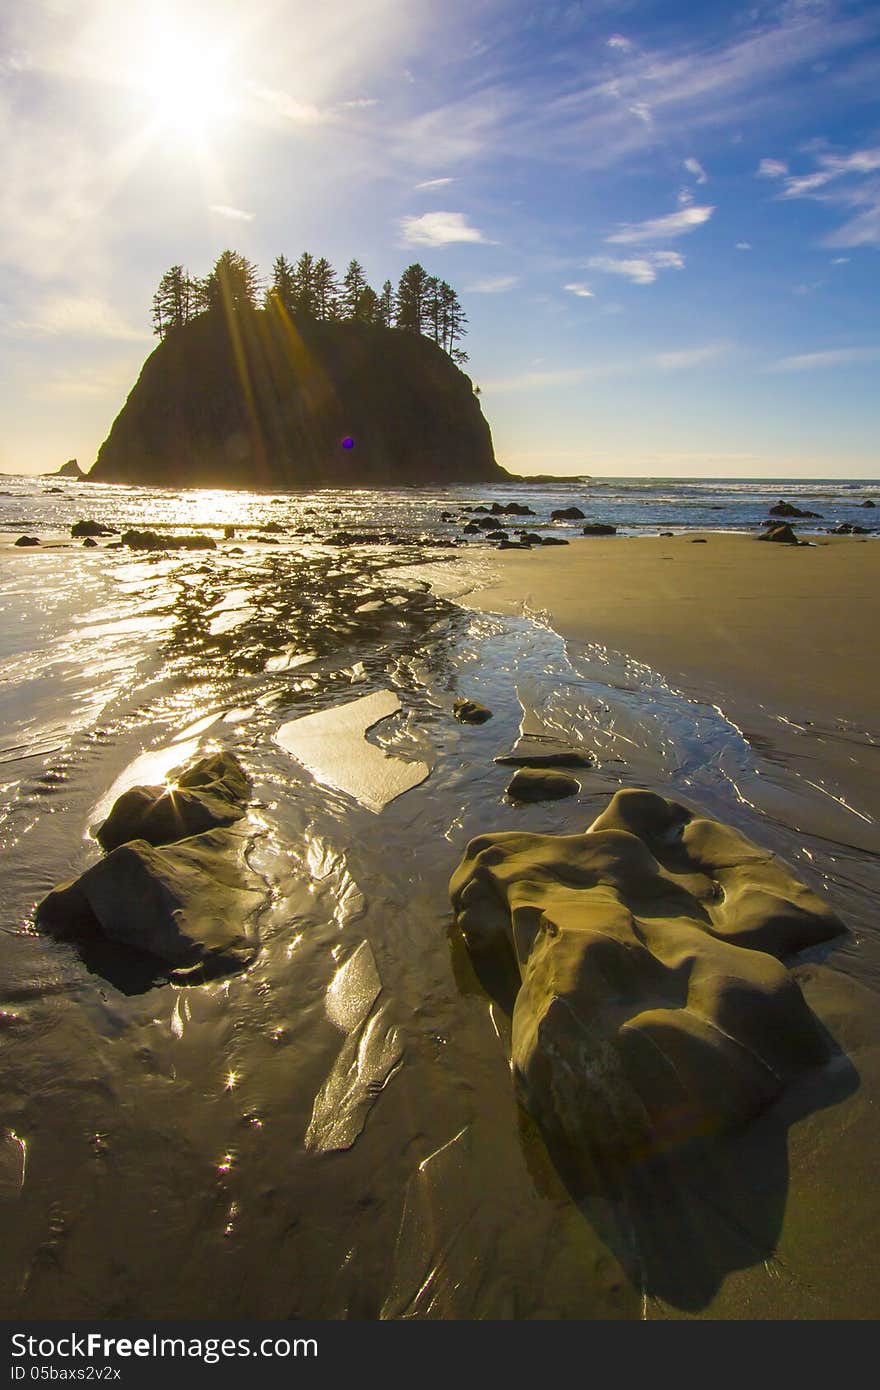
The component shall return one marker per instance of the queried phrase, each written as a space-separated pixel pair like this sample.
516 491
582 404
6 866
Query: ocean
233 1148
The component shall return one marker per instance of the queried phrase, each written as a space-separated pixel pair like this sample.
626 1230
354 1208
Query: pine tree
304 286
385 314
174 302
354 282
283 286
368 306
453 323
411 293
232 285
433 312
326 290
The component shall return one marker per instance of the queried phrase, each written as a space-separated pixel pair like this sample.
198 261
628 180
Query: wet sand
782 640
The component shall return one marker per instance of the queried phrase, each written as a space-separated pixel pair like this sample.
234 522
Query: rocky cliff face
258 400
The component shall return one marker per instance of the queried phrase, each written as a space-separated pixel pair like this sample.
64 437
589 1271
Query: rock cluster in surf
653 1006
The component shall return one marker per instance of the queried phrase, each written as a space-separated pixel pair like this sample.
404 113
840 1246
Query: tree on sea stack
283 287
385 306
232 284
174 302
412 299
326 290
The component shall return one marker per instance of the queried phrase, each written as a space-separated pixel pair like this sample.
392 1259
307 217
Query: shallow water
333 1132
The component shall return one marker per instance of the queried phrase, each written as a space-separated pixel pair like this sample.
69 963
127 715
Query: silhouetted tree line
421 303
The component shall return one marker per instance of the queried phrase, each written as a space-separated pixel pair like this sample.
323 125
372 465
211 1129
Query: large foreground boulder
212 793
653 1008
191 905
176 884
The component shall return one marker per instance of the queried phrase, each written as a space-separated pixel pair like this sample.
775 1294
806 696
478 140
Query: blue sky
663 219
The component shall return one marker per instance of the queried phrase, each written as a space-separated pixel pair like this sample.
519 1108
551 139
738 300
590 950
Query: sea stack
256 398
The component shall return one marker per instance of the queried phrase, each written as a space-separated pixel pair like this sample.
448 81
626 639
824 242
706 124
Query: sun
188 85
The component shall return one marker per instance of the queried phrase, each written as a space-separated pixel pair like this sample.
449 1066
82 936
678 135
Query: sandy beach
341 1094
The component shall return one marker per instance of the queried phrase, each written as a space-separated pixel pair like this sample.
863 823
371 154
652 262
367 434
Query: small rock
554 540
781 533
536 784
567 514
89 543
471 712
90 528
599 528
787 509
27 540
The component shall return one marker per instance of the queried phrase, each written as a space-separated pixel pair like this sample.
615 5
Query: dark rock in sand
554 540
535 784
472 529
190 904
567 514
848 528
91 528
228 533
212 793
471 712
512 545
89 543
782 534
150 540
787 509
599 528
27 541
545 750
410 411
699 540
653 1009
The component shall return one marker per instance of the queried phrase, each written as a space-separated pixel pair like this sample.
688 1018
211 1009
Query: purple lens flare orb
348 442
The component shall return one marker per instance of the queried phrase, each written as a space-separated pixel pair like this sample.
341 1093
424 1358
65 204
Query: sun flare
189 87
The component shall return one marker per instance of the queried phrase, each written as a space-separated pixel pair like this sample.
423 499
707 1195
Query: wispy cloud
233 214
496 284
771 169
581 291
620 42
439 229
743 246
435 183
689 357
694 167
674 224
278 104
850 181
834 357
79 316
642 270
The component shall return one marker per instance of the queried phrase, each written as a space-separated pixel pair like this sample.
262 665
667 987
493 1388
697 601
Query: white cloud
840 260
79 316
674 224
438 229
685 197
688 357
743 246
234 214
771 169
834 357
833 166
280 105
620 42
493 285
642 270
580 290
694 167
434 183
859 191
